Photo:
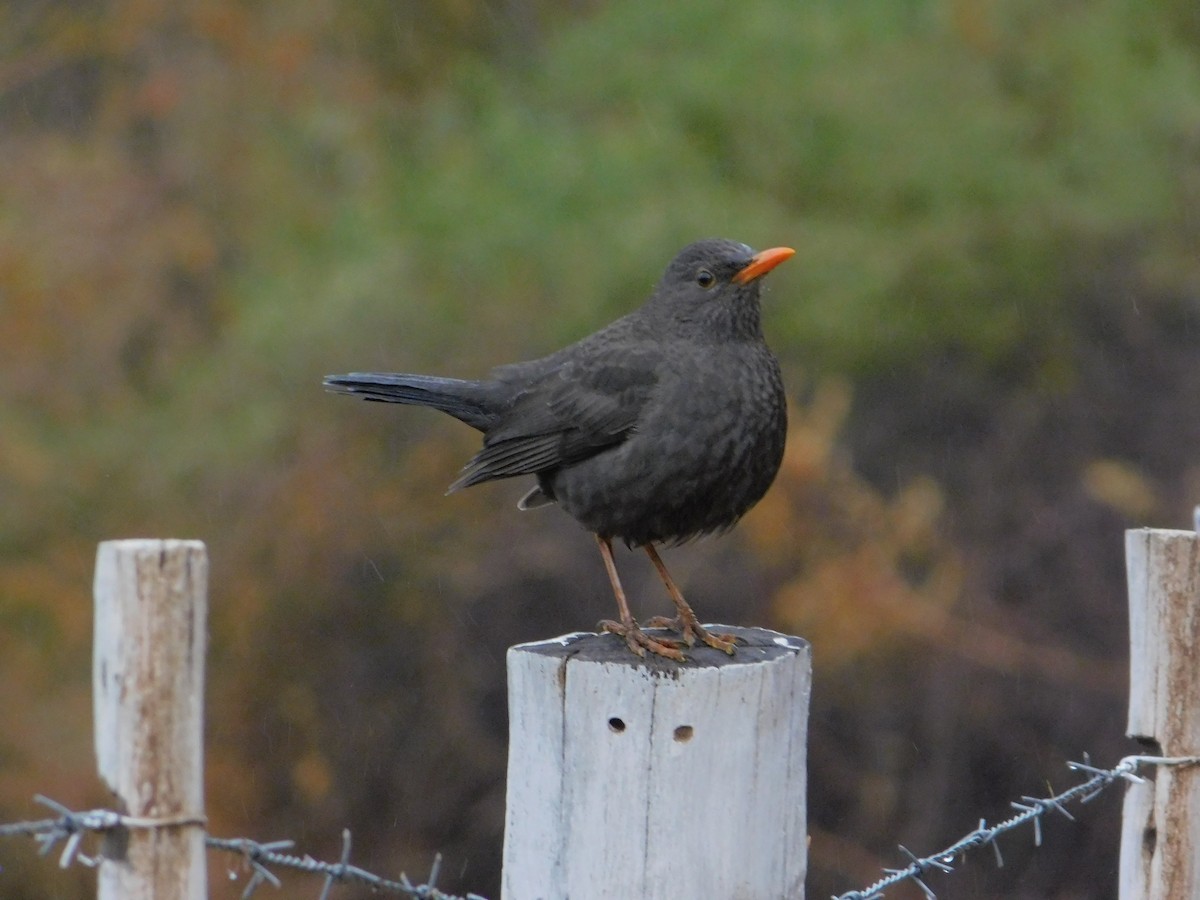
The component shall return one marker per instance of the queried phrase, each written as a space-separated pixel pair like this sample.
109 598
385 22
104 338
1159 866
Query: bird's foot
690 628
639 642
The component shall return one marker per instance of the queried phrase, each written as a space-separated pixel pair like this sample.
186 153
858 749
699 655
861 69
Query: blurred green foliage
950 175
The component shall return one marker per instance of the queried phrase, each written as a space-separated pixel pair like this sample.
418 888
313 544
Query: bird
664 426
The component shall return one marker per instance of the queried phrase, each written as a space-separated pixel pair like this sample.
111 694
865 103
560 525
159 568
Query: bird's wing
576 409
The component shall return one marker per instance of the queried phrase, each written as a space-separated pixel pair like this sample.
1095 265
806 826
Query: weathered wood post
639 779
1160 836
148 695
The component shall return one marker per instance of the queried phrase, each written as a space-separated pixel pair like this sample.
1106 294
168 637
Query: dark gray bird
666 425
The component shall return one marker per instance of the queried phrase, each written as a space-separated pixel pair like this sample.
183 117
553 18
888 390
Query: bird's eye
705 278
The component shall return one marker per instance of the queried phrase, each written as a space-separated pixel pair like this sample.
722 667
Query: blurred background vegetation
991 335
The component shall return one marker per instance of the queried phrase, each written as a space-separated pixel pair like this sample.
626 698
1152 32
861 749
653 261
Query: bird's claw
691 629
639 642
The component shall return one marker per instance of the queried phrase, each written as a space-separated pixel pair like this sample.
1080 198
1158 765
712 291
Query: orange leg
639 642
686 622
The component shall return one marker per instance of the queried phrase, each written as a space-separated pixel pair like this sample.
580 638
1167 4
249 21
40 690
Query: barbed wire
1029 809
71 827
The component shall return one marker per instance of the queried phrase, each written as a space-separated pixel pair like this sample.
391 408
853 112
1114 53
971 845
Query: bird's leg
639 642
686 622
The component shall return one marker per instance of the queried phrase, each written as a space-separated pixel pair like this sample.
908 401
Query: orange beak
762 263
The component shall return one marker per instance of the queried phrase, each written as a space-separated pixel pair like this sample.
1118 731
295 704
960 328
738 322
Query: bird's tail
465 400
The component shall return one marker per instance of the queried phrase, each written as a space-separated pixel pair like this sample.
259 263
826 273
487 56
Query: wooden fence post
648 779
148 694
1160 835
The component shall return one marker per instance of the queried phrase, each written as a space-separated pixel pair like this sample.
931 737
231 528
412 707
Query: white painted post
148 695
1160 835
634 779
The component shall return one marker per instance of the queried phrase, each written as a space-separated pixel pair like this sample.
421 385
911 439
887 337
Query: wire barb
341 868
1028 809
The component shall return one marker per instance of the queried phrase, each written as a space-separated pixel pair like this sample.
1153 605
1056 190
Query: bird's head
715 284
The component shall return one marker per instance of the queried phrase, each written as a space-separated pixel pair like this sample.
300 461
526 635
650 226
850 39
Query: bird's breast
704 450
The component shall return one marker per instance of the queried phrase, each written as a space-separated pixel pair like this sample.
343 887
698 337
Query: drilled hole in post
616 725
683 733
